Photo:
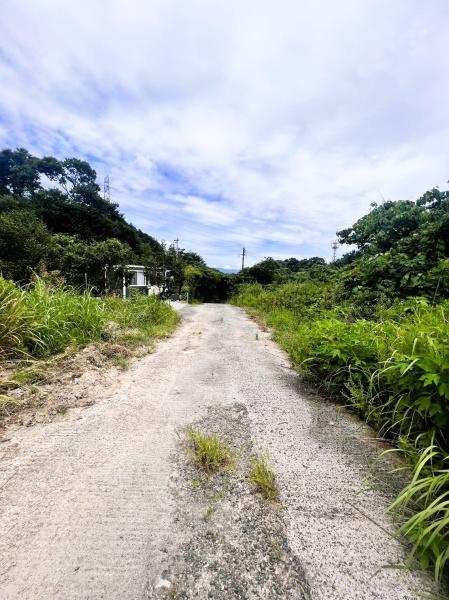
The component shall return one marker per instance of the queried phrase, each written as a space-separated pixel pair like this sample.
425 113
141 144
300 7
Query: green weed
8 405
210 453
28 376
263 477
426 497
121 362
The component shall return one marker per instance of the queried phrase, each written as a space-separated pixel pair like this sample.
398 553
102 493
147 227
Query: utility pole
106 190
334 247
177 270
243 258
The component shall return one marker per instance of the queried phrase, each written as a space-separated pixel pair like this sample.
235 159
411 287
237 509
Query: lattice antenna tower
244 254
106 189
334 247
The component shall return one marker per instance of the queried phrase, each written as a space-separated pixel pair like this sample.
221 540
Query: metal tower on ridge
106 190
334 247
243 255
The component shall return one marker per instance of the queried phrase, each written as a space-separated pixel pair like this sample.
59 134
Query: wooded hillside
54 220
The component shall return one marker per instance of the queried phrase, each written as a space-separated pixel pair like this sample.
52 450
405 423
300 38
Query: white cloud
264 124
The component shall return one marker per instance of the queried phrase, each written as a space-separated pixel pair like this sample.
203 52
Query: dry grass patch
8 405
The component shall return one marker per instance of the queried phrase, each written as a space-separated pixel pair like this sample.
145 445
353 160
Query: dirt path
92 505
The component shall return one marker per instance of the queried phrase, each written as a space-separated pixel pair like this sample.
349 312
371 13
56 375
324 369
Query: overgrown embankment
393 369
41 321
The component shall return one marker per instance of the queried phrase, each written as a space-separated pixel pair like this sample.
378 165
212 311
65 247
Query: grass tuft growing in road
263 477
210 453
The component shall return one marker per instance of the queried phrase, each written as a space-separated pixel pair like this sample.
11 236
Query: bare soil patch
39 391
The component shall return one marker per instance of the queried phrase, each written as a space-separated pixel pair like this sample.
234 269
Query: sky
264 124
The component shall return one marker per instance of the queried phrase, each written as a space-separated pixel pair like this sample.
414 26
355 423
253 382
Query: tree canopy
402 249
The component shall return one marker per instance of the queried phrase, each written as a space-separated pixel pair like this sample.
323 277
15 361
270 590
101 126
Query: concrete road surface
85 501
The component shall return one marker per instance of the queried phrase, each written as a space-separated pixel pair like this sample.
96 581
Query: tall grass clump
41 319
262 476
141 317
391 365
425 502
61 317
15 319
210 453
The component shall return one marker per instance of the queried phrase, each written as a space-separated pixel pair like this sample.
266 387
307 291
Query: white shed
138 280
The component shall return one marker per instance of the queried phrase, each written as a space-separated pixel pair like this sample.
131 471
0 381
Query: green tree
403 250
96 264
263 272
24 243
67 256
19 174
384 226
191 258
104 259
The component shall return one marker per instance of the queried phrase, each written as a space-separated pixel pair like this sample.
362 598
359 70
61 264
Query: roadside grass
42 327
210 453
264 479
41 320
28 376
426 502
140 318
14 318
391 366
122 362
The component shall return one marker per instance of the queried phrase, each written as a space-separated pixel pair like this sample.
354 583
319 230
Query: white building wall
141 278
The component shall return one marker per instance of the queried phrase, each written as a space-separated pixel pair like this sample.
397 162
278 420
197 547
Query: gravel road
87 502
